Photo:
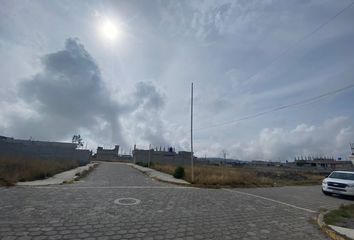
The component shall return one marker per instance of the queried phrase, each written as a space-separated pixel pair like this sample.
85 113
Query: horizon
272 80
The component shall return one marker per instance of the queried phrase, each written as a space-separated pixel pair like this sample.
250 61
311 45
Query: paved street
87 210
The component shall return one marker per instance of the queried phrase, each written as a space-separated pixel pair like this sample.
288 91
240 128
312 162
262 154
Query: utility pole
222 166
149 155
192 159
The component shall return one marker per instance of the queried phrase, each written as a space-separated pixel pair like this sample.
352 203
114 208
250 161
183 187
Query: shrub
179 172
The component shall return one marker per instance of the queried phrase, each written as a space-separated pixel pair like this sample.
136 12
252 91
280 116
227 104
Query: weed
339 215
215 176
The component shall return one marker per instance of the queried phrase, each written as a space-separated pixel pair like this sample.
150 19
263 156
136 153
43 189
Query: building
164 156
328 163
112 155
260 163
351 157
107 154
29 149
125 158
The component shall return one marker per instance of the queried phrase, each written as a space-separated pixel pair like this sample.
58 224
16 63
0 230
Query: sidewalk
164 177
344 231
59 178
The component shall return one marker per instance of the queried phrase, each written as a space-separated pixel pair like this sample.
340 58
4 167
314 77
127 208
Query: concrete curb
160 176
328 230
60 178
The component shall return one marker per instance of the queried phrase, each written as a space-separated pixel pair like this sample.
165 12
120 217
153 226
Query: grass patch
338 216
214 176
20 169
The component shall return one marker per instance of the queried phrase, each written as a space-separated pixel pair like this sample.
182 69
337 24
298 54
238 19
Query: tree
78 140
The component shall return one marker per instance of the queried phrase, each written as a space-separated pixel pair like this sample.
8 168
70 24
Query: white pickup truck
339 182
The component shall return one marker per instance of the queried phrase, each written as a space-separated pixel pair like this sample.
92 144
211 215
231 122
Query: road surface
96 208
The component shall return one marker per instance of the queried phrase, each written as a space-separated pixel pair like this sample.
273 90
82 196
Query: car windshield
341 175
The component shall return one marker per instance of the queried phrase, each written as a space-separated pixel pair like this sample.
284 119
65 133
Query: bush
179 172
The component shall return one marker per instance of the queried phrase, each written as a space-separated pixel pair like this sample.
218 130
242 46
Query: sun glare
109 30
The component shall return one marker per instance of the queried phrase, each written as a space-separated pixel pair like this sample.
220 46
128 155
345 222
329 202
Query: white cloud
216 44
331 138
68 96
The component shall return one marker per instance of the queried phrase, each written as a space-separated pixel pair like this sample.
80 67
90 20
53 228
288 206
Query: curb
55 180
147 173
77 177
328 230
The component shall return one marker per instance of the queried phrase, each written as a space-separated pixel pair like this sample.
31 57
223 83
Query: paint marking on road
111 187
272 200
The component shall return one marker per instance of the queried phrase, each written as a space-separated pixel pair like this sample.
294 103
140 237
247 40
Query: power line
299 103
274 60
318 28
303 102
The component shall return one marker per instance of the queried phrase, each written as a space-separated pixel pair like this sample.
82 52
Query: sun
109 30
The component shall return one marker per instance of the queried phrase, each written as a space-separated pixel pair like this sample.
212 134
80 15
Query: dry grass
338 216
243 176
18 169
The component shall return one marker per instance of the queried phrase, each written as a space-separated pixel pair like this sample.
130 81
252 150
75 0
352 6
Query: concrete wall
330 164
107 154
10 147
163 157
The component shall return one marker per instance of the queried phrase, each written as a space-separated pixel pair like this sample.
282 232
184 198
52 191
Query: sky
62 74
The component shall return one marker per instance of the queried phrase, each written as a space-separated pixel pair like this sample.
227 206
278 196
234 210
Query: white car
339 182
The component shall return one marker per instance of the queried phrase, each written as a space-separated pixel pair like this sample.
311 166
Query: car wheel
326 193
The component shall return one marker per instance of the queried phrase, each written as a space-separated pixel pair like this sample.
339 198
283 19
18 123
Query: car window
339 175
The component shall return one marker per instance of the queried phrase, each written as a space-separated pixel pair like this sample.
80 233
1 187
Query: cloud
225 47
66 96
145 119
331 138
202 20
148 96
69 96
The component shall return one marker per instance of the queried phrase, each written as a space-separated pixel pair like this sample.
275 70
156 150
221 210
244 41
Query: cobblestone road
86 210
